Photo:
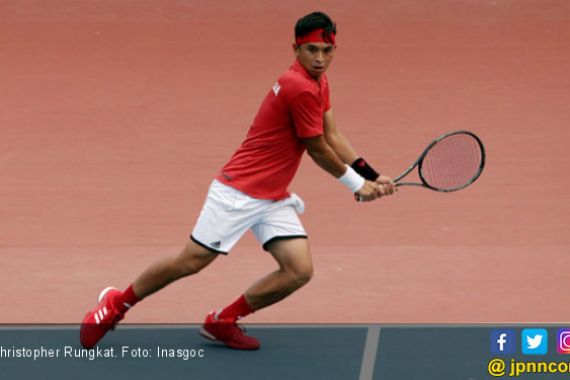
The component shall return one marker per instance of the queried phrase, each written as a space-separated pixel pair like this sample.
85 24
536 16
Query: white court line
370 350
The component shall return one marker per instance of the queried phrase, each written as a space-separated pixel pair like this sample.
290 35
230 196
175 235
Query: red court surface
116 115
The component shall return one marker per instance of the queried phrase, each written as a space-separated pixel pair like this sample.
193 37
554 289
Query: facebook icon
503 342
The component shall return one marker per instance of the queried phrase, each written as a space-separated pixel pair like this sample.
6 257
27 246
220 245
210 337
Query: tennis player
250 193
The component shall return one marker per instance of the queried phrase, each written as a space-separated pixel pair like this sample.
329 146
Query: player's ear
296 49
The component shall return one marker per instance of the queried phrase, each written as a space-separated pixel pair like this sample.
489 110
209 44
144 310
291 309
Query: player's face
315 57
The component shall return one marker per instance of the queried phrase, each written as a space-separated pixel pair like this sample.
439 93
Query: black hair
312 21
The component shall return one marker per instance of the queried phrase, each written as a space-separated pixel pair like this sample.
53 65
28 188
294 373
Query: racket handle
357 197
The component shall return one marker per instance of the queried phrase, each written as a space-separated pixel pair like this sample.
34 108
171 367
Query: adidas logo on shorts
216 244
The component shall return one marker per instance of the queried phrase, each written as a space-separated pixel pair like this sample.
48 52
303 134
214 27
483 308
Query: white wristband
352 179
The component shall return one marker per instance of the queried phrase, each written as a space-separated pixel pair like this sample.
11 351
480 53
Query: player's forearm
327 159
337 141
324 156
341 147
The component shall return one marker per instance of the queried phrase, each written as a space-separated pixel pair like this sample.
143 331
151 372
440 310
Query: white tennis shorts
228 213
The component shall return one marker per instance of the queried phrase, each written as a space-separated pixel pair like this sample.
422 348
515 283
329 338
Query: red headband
317 35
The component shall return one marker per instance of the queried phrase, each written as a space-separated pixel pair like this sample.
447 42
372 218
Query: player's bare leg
113 304
191 260
295 270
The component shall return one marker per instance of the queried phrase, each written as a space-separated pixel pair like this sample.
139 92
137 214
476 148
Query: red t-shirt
266 162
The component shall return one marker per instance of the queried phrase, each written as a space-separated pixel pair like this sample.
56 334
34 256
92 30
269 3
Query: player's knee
190 267
302 275
193 259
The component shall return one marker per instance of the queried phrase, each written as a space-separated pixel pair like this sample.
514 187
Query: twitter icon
534 341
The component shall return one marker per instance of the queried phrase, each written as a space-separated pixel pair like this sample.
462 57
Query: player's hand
369 191
385 185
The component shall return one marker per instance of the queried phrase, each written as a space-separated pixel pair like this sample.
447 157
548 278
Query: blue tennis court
394 352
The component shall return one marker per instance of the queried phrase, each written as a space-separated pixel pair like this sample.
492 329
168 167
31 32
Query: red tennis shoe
227 332
101 319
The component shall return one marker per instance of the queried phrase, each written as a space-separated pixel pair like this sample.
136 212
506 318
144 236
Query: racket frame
420 160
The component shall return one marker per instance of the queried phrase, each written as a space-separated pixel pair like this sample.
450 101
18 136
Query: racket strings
453 162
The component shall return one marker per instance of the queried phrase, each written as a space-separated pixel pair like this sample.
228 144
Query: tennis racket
451 162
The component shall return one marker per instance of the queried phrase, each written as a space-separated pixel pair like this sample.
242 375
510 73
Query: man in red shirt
250 193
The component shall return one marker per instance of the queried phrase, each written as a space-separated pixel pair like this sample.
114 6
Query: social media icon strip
534 341
563 341
503 342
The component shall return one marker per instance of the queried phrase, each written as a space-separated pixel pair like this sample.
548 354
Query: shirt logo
276 88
